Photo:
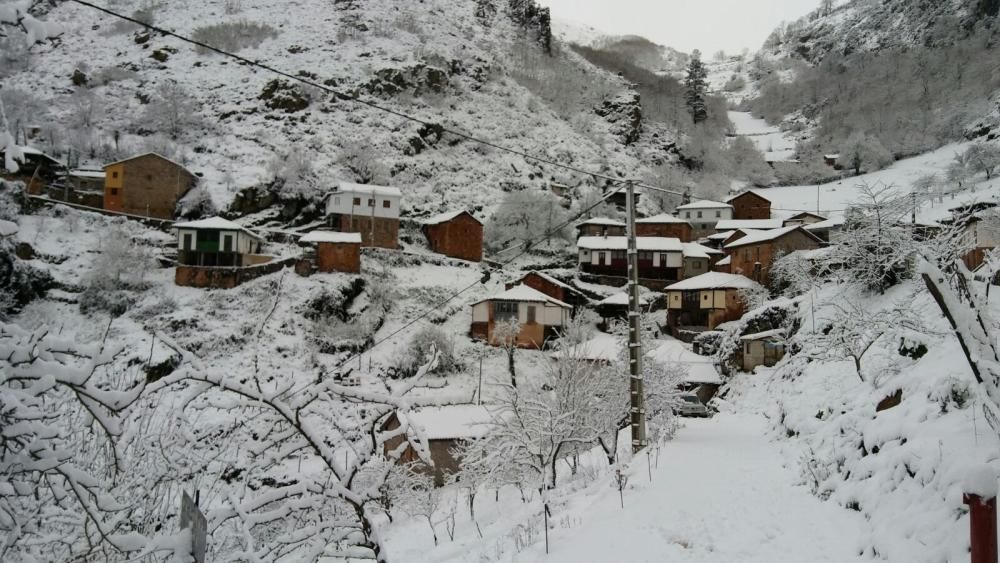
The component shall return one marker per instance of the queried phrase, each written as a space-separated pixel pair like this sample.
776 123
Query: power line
357 99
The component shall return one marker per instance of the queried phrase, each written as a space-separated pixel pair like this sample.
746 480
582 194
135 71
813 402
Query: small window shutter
187 241
227 243
531 314
656 259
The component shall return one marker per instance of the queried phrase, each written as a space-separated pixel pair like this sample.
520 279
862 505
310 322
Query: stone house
601 227
703 215
445 428
552 287
457 234
664 225
541 317
754 254
148 185
370 210
704 302
210 251
761 349
335 252
750 205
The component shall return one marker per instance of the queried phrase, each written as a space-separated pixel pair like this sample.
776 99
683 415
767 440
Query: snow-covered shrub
419 350
526 217
172 110
365 164
735 83
196 203
295 173
117 275
779 313
234 35
20 283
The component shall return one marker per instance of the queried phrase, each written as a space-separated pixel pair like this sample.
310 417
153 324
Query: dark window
718 214
645 256
114 191
149 177
618 254
386 204
188 242
371 203
357 201
531 314
227 244
208 236
114 174
503 310
699 214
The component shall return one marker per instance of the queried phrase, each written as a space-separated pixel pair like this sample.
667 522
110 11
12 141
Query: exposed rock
282 95
624 112
79 78
890 401
417 79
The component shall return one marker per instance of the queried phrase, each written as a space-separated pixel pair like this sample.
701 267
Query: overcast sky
708 25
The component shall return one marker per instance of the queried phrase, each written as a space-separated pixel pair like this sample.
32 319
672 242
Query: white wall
342 202
242 243
481 312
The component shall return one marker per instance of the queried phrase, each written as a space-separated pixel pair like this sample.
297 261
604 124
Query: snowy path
720 494
768 139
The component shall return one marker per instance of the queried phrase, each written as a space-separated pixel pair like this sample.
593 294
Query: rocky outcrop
624 112
282 95
417 79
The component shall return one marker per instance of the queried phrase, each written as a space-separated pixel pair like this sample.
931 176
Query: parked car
691 405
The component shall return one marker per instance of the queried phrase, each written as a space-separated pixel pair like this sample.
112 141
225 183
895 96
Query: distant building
750 205
211 251
754 254
445 428
335 252
761 349
602 349
370 210
704 214
659 258
664 225
552 287
457 234
149 185
37 171
803 219
600 227
541 317
828 231
706 301
832 160
980 225
724 265
615 307
757 224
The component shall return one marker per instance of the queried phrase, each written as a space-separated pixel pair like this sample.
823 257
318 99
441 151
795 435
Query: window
114 174
504 310
371 203
336 200
696 265
386 204
618 254
149 177
718 214
704 297
188 241
704 226
646 256
227 243
531 314
687 214
357 201
699 214
114 191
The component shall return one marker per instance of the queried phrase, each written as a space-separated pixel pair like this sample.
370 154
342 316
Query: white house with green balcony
216 242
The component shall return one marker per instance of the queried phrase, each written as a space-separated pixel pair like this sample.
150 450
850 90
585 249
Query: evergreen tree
696 86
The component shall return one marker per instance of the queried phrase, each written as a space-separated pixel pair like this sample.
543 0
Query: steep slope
457 63
866 26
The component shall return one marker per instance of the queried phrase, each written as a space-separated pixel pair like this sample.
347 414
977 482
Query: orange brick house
750 205
457 234
664 225
704 302
600 227
149 185
552 287
541 317
754 254
335 252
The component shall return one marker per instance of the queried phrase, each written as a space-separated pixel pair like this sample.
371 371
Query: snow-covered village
511 281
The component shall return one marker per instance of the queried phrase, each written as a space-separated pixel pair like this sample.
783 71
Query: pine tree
696 86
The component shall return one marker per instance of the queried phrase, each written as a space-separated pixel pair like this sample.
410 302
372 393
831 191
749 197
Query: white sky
686 25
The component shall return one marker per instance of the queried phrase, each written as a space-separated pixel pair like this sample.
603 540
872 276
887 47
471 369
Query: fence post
981 487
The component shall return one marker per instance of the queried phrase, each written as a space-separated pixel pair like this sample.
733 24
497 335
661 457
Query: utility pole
913 206
637 410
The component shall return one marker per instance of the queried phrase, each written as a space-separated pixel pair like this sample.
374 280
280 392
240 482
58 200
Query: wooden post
982 528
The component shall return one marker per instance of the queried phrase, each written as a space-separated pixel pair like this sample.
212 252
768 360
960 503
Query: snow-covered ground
776 145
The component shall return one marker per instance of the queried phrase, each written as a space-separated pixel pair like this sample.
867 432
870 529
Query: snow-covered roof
757 237
551 280
601 221
332 236
446 216
827 224
661 244
216 224
763 335
660 219
351 187
734 224
833 156
621 299
803 214
452 421
82 173
728 260
695 250
174 162
741 194
525 293
713 280
602 348
705 204
720 236
701 369
35 152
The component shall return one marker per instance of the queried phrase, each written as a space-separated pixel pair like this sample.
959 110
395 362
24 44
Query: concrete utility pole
636 392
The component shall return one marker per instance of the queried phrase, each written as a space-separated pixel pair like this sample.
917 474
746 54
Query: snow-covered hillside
436 60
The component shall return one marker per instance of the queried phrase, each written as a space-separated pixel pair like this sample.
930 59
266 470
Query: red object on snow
982 528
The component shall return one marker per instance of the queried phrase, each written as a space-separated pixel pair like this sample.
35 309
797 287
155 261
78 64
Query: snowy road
720 494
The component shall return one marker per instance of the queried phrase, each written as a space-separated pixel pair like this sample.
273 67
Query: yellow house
149 185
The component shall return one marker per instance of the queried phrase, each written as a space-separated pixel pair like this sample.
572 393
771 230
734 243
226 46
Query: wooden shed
457 234
750 205
336 252
444 428
762 349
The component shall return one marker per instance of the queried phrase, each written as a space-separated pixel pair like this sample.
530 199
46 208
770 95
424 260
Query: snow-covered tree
696 88
505 335
173 110
526 217
864 151
364 163
983 157
747 163
119 271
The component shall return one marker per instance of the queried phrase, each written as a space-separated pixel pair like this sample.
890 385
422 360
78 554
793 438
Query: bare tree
173 109
983 157
363 161
505 335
